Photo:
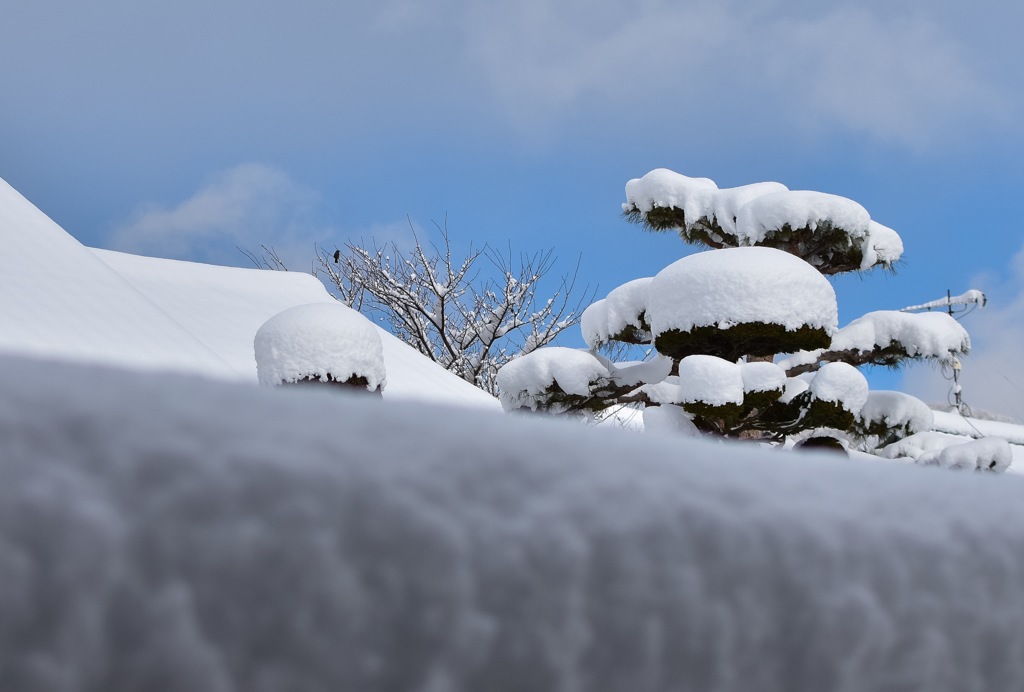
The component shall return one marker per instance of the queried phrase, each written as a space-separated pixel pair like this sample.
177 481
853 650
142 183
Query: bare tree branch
469 316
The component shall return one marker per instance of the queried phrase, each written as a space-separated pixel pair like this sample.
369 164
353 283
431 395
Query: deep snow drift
184 534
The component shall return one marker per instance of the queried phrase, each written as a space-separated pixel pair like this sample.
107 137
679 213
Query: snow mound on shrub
840 383
662 188
318 340
751 213
762 377
723 288
986 454
710 380
800 209
883 245
570 369
926 334
612 315
896 409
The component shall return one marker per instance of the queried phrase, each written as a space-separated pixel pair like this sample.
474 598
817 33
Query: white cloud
894 76
247 206
901 78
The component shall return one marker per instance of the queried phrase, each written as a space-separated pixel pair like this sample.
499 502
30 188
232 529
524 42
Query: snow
222 306
594 323
319 340
610 316
663 188
666 391
733 286
883 246
990 453
932 448
751 213
971 297
524 378
896 409
710 380
698 198
795 386
800 209
58 300
926 334
634 373
183 534
670 419
840 383
726 205
955 424
146 313
762 377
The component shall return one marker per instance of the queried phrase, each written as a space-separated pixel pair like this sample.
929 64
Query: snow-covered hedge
319 341
182 535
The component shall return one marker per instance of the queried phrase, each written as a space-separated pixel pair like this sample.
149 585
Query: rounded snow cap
741 301
326 342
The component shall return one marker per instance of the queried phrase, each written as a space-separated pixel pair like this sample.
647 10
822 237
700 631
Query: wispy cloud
897 77
245 207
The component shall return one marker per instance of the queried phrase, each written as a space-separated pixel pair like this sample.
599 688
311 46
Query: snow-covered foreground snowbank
182 534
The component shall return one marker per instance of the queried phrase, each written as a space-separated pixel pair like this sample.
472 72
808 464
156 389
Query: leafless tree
471 314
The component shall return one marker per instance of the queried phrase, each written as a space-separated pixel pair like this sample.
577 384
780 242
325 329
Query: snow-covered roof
59 300
62 300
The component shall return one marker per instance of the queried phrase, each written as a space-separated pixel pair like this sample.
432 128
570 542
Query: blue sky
183 129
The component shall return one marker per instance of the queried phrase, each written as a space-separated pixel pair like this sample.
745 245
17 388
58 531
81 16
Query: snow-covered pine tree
716 322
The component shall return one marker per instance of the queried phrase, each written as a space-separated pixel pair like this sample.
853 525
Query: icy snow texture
318 340
733 286
621 309
572 370
183 535
926 334
840 383
897 409
710 380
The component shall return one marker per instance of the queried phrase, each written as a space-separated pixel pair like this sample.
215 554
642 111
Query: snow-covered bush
759 294
320 342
